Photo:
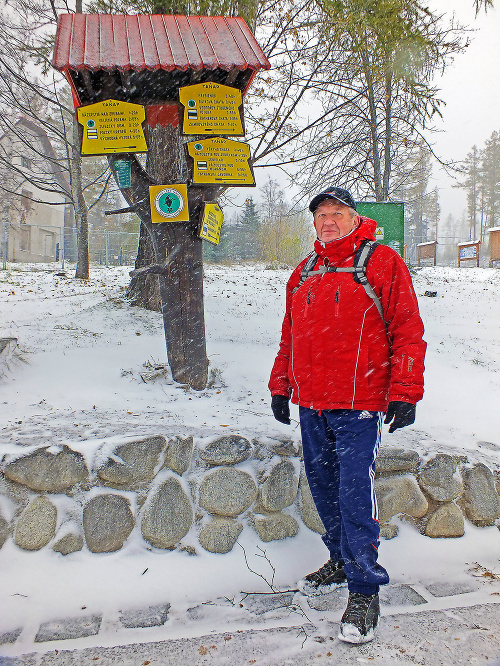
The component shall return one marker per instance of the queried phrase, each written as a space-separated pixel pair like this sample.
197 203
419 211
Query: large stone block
36 525
107 523
399 494
279 490
446 521
179 453
48 470
227 450
69 628
276 526
150 616
480 500
497 481
220 535
227 492
308 509
388 531
267 447
168 515
133 462
439 478
392 461
69 543
4 530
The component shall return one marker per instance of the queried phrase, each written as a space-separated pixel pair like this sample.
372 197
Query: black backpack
358 270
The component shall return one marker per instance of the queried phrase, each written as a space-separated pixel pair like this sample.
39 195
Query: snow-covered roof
473 242
427 243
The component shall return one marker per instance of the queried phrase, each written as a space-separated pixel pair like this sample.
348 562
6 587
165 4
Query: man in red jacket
345 366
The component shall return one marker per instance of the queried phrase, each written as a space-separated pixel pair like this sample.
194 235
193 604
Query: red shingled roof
138 42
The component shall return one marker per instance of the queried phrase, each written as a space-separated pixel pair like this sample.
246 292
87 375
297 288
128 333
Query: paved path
440 624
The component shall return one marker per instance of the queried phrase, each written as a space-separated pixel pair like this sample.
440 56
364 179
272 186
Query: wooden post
178 255
152 57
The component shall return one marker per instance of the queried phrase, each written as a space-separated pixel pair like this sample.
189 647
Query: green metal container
390 218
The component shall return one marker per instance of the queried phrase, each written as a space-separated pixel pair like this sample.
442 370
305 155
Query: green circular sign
191 103
90 123
169 202
198 146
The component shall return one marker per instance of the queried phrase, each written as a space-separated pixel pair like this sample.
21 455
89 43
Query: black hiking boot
360 618
325 579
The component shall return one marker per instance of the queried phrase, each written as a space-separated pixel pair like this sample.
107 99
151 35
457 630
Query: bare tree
29 88
285 236
349 93
377 78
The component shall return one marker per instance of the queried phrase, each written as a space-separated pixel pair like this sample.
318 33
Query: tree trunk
144 290
81 211
177 254
377 171
388 136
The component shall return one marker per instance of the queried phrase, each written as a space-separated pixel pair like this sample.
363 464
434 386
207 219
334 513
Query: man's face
332 220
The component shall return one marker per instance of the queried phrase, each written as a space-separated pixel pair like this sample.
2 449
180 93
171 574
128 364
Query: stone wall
175 492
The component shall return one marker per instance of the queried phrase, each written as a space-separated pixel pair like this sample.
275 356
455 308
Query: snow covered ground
89 374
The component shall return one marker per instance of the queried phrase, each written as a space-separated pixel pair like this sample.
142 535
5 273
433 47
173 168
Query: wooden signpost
138 81
468 252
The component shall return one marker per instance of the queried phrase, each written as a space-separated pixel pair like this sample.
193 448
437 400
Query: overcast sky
471 89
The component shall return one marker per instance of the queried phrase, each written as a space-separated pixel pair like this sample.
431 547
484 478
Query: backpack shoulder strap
306 269
361 258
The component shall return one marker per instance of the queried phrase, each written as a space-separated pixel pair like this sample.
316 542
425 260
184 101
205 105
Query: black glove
281 408
403 414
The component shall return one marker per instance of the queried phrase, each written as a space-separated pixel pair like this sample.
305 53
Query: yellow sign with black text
169 203
219 161
212 218
211 108
112 126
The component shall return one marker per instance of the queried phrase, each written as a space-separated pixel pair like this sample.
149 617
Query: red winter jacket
335 352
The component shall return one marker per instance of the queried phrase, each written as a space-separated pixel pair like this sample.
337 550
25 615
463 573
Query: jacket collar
345 247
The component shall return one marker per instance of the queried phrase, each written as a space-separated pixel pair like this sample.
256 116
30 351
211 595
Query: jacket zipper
337 298
291 357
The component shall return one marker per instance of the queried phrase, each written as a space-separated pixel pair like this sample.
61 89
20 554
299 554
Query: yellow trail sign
211 108
169 203
218 161
212 218
112 126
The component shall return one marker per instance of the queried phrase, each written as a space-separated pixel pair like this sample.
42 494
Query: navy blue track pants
340 447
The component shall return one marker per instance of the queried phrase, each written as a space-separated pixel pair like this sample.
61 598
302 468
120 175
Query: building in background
32 190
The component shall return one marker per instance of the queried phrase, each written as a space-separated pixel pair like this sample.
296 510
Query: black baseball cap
336 193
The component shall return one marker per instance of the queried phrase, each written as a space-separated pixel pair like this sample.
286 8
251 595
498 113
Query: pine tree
491 182
482 185
249 226
473 186
422 210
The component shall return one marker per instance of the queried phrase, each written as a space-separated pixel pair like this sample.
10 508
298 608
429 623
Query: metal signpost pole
4 243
